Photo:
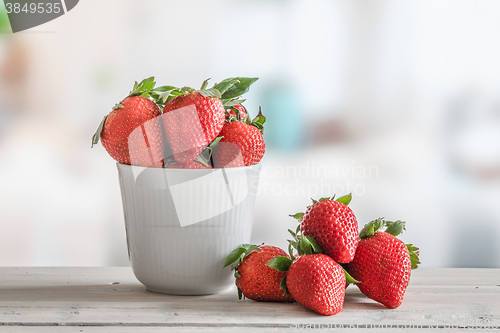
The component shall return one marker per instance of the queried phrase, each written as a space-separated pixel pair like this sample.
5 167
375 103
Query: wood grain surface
110 299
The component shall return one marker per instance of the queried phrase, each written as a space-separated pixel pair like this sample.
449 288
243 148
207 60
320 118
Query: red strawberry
383 263
242 112
334 227
254 279
188 165
191 122
131 133
315 281
242 143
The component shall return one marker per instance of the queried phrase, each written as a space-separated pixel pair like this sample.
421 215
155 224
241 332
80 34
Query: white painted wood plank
66 329
87 296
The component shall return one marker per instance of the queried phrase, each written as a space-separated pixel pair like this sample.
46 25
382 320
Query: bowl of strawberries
188 164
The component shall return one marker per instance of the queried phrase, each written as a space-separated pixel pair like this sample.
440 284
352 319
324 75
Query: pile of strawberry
331 254
184 128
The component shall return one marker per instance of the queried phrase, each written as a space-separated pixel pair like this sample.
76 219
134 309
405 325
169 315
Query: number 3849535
47 7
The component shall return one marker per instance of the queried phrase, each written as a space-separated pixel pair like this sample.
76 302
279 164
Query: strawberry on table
242 143
254 279
333 225
383 263
314 279
131 133
317 282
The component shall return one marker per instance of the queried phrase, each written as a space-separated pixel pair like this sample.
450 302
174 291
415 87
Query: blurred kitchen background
395 101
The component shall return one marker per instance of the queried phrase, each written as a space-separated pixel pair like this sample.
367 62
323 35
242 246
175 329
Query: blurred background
397 102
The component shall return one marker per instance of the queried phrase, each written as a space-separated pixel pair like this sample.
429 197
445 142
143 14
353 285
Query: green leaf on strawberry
283 285
97 134
240 86
280 263
224 85
346 199
240 253
371 228
187 90
313 244
210 93
348 277
304 246
143 88
257 121
291 246
395 228
236 254
414 253
164 89
297 216
232 102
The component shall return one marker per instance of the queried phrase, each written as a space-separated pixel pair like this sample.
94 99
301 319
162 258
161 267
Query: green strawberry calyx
414 253
142 89
239 254
305 245
237 111
257 121
282 264
236 257
97 134
346 199
227 91
394 228
206 154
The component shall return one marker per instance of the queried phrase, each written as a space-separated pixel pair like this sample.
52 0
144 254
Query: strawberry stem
204 85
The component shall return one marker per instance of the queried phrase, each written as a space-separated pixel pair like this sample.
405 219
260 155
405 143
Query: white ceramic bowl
182 224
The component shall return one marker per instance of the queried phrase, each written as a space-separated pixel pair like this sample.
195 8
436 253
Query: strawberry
131 133
317 282
239 112
192 119
242 143
383 263
314 279
254 279
191 122
333 225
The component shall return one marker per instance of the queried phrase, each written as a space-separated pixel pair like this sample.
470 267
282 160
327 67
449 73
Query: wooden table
110 299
